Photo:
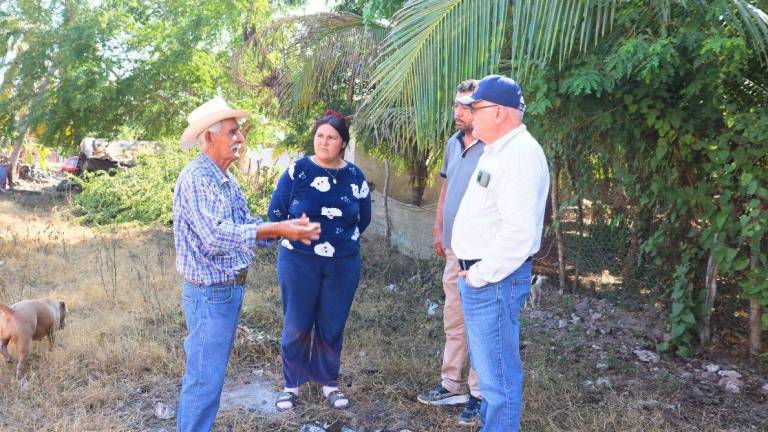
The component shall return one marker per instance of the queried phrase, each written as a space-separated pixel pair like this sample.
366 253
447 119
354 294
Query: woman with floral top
318 281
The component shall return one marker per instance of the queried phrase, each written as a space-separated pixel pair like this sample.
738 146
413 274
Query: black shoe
441 396
471 414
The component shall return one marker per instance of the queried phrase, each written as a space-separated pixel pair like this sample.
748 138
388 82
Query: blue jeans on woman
492 320
211 313
317 294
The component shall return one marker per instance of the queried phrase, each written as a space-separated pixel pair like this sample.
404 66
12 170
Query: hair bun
336 114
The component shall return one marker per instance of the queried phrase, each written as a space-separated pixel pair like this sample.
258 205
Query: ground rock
582 308
603 382
731 384
647 356
164 411
431 307
729 374
311 427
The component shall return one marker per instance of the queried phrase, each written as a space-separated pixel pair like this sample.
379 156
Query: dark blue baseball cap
497 89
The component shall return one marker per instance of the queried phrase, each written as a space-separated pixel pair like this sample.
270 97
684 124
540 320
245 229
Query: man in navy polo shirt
462 152
497 230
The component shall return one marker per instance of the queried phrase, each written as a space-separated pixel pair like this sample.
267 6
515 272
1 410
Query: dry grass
123 342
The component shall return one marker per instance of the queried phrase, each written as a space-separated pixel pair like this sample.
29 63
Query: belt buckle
240 279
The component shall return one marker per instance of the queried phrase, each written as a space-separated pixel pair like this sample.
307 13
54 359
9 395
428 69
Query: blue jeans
211 313
492 320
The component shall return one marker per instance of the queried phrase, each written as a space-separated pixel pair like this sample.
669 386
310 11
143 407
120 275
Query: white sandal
336 396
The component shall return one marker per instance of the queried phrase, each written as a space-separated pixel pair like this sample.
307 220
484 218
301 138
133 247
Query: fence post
755 312
387 225
710 283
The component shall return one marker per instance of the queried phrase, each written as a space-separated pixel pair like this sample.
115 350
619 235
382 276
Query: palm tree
401 88
434 44
327 57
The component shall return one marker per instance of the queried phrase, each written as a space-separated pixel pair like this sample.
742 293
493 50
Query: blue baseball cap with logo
497 89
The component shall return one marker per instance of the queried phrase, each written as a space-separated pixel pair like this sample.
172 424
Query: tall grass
123 344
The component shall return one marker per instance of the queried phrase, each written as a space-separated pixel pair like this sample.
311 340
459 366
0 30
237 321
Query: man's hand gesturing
300 229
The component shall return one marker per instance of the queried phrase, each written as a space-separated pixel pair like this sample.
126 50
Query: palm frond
754 23
433 45
662 9
542 30
309 58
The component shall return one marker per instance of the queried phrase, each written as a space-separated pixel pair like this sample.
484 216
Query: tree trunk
755 315
580 249
710 282
17 151
418 172
558 230
634 248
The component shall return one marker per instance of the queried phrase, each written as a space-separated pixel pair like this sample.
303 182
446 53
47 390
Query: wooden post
580 250
387 224
710 282
755 314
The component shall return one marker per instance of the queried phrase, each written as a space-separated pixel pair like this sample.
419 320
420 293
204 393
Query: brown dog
26 321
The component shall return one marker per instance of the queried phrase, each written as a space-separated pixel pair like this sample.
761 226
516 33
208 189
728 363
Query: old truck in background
101 154
97 154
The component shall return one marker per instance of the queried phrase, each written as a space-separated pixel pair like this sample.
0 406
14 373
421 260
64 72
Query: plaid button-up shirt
213 229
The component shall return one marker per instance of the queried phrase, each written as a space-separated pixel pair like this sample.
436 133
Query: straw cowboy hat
207 115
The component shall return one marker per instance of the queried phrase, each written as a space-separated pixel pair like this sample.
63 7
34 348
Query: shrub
143 194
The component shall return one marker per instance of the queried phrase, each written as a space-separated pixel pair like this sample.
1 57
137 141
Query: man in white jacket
497 229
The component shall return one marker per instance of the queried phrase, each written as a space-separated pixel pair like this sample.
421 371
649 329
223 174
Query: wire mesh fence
596 251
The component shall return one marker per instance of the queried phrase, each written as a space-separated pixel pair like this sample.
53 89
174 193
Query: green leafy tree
72 68
659 111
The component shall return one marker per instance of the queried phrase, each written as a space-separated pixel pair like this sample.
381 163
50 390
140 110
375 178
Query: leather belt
240 278
466 264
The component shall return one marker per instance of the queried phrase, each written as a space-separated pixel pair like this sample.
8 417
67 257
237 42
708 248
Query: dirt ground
586 363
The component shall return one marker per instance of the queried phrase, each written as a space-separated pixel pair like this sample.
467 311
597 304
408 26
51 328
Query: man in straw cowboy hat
215 235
